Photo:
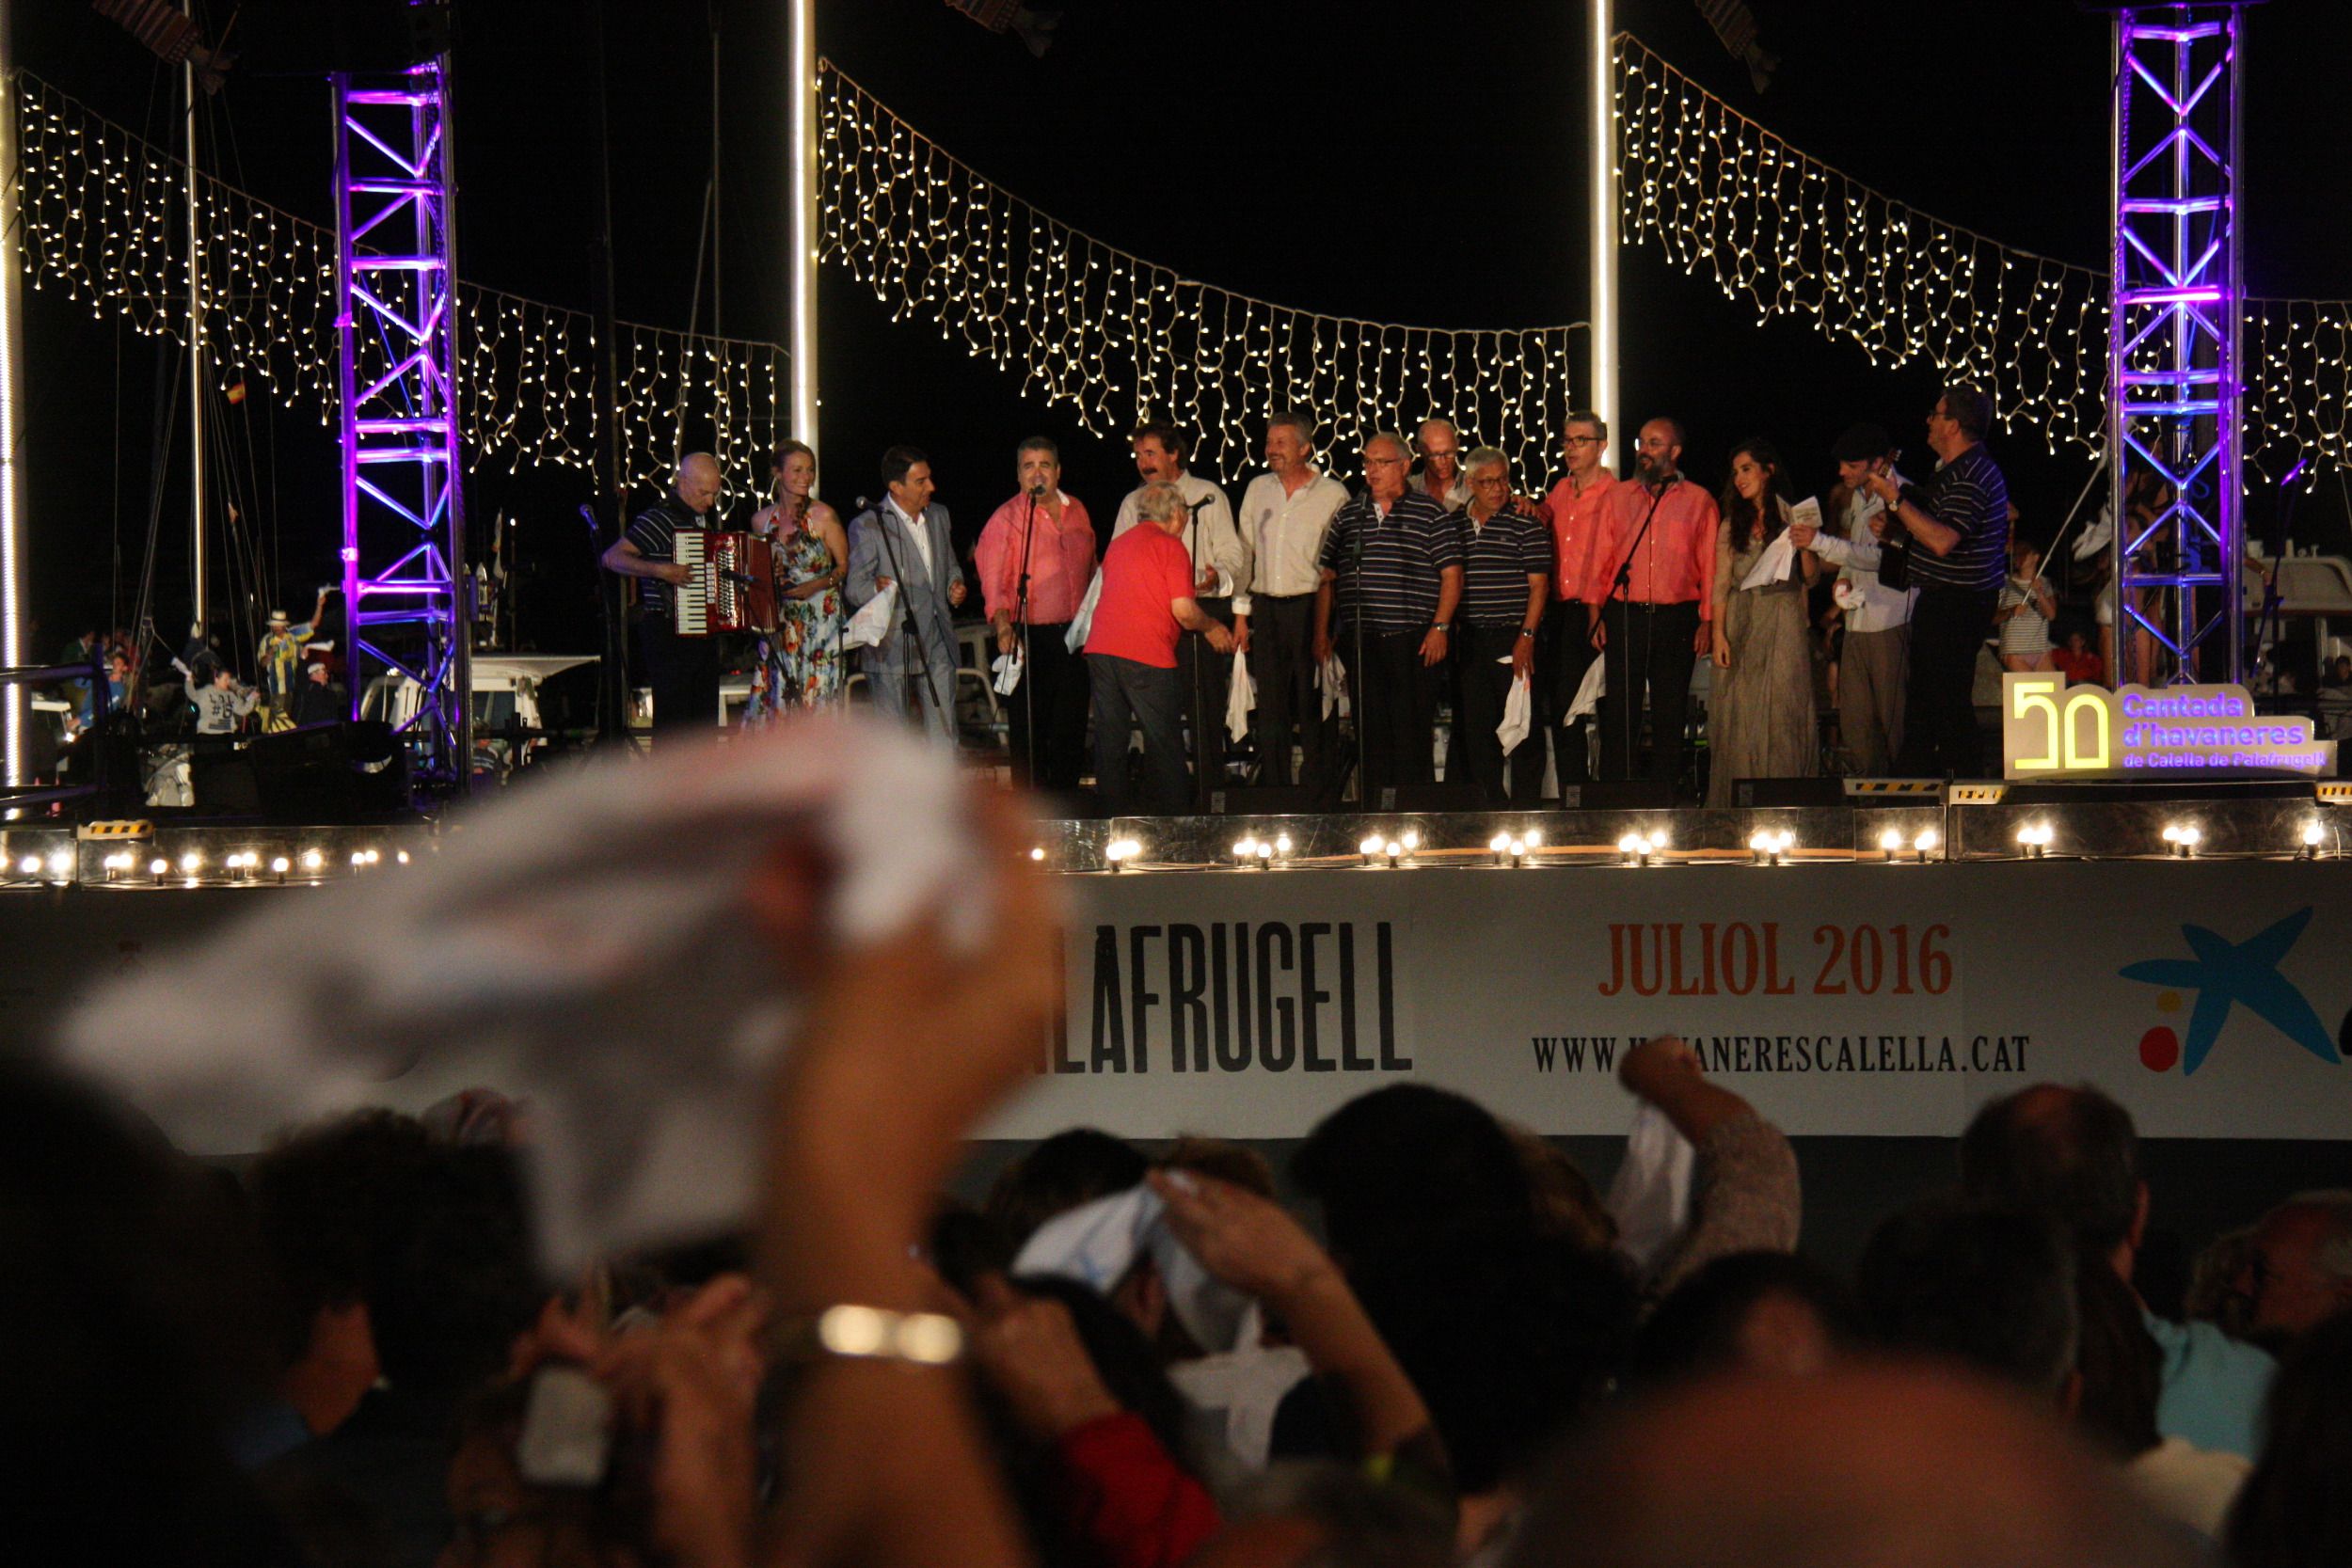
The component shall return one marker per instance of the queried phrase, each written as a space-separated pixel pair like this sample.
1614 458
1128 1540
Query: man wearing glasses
1394 558
1959 522
1563 642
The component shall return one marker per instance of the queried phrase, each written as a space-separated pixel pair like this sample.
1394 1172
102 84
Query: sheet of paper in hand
586 945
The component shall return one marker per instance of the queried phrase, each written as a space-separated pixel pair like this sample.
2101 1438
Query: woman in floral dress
804 664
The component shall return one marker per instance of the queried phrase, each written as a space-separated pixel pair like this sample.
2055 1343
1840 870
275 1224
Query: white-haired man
1392 570
1147 603
682 671
1506 580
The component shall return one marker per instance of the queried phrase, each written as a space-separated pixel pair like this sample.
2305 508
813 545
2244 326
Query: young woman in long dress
1762 723
804 665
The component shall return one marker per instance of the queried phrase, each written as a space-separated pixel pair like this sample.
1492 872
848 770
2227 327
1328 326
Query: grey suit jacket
871 557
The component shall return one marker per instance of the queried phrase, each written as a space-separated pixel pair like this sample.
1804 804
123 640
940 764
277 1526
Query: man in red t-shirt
1146 604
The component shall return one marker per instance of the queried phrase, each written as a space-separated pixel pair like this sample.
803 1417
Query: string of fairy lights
1117 340
1725 200
103 225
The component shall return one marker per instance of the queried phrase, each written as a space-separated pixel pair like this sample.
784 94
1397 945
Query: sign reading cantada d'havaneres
2050 730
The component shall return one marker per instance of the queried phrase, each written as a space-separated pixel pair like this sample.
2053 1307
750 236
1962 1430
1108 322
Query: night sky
1400 162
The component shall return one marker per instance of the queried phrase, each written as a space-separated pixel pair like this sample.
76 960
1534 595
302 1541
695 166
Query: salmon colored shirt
1061 560
1575 518
1675 563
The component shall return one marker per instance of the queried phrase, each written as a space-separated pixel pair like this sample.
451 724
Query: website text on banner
1842 999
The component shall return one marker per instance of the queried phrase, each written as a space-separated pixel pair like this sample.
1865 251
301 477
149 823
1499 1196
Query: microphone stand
1622 583
1021 615
1363 676
1198 647
910 630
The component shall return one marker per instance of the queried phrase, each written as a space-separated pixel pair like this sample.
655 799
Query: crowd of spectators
342 1353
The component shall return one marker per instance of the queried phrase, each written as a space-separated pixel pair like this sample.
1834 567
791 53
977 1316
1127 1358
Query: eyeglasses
1579 440
1383 462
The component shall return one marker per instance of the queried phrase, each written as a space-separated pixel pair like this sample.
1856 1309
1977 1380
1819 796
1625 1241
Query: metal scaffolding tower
404 515
2173 344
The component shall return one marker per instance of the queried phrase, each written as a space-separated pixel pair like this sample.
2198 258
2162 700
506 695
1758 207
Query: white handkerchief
1240 700
1518 712
1007 668
1083 623
1331 680
1096 1244
1589 690
873 621
1650 1198
1771 564
534 954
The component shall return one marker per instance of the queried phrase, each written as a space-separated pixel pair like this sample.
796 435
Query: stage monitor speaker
220 778
1618 795
324 774
1788 792
1432 798
1261 801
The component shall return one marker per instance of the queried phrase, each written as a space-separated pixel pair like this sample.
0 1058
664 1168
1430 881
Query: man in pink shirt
1564 641
1649 588
1048 535
1146 604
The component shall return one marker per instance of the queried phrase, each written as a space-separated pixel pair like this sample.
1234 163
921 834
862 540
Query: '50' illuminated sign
2045 733
2049 730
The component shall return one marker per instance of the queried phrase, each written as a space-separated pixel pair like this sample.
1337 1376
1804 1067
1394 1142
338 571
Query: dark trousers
684 675
1208 677
1282 662
1055 687
1948 627
1153 699
1395 702
1564 651
1484 688
1649 650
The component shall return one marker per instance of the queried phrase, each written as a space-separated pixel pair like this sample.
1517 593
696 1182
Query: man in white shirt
1284 513
1221 574
1876 660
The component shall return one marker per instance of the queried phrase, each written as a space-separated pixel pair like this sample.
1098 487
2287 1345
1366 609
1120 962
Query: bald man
682 671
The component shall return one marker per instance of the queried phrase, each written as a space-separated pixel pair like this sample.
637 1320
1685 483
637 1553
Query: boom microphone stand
1622 583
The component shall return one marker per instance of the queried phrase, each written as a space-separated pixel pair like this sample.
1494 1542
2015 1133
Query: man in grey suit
905 540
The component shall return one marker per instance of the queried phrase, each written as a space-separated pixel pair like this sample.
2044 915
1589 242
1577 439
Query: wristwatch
1527 631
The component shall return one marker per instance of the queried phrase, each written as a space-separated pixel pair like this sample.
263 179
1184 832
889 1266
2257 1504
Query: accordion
733 585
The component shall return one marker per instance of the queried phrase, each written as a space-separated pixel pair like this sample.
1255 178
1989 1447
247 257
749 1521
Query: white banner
2210 997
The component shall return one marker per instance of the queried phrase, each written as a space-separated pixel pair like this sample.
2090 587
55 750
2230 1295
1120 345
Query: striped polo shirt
1404 553
655 534
1968 496
1498 557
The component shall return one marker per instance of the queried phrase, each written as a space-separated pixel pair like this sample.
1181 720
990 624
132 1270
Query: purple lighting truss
404 514
2173 342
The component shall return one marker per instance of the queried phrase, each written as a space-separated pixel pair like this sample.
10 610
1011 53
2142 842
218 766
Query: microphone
1665 483
589 515
1037 491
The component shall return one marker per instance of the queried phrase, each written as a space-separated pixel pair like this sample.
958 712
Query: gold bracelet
874 1334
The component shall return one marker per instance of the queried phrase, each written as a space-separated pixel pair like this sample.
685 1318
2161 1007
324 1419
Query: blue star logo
2225 974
